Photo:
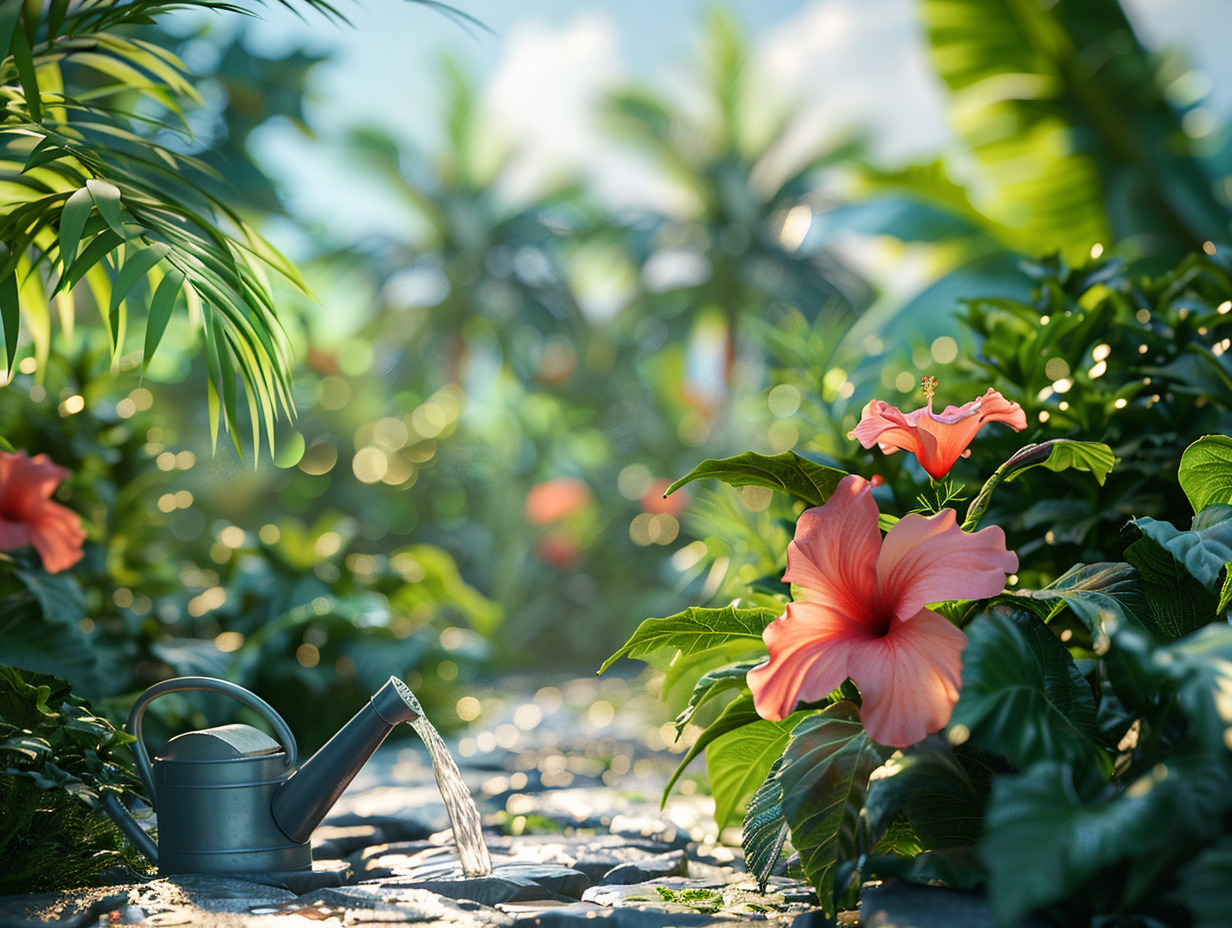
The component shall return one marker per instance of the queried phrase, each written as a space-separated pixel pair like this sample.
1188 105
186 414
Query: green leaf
765 829
739 713
711 684
23 58
1057 455
1023 697
941 791
787 472
694 630
1206 885
1205 472
1200 667
1099 594
136 265
72 223
1047 837
1182 574
738 762
10 316
106 196
161 306
824 777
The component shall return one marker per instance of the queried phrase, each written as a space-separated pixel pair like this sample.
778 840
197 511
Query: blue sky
854 63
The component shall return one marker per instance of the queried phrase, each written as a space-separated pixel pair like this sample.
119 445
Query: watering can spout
311 791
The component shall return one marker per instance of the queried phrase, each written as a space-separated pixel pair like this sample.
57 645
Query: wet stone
401 904
510 881
675 863
581 914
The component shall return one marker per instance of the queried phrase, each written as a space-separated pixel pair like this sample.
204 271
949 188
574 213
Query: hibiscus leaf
787 472
1097 593
710 685
738 761
824 777
1047 835
956 867
1182 573
738 713
765 829
1200 666
1205 472
940 790
1058 454
1023 697
1066 454
696 630
1206 883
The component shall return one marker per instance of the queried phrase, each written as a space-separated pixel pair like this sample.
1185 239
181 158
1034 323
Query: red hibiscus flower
29 517
859 614
936 439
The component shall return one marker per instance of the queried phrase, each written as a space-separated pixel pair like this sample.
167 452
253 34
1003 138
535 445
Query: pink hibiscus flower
29 517
859 614
937 440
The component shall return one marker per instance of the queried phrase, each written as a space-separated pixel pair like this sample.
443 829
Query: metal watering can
231 799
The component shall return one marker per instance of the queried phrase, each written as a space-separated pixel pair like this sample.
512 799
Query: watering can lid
226 742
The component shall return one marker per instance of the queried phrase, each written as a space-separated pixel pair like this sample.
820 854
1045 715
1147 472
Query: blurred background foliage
490 403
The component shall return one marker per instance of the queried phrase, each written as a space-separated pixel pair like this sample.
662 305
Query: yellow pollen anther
929 384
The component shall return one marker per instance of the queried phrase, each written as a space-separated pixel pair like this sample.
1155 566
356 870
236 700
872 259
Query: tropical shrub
1083 769
58 763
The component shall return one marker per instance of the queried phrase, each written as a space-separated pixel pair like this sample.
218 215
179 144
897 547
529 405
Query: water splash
467 826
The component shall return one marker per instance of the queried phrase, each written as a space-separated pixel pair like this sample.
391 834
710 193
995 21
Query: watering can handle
212 685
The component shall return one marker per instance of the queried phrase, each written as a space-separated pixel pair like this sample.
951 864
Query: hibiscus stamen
929 385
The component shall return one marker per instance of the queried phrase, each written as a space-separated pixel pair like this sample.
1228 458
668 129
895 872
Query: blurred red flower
556 499
654 502
29 517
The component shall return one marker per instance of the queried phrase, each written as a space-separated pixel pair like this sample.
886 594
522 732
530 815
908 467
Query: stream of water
467 825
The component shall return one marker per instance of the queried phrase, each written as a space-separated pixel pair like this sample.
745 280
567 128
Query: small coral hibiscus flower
936 439
859 613
29 517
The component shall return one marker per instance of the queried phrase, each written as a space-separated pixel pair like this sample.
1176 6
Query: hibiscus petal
929 559
57 536
833 555
810 647
909 679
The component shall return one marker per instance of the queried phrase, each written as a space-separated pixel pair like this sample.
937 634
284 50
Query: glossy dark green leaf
1181 574
1206 885
787 472
1057 454
1023 698
72 223
1098 594
107 198
824 777
1048 836
765 829
136 265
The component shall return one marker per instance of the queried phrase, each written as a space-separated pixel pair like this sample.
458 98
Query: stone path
568 779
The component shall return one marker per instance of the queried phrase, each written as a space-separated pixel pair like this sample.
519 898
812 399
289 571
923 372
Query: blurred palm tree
741 245
90 197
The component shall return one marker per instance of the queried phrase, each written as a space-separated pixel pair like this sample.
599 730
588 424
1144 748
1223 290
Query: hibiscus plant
921 716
